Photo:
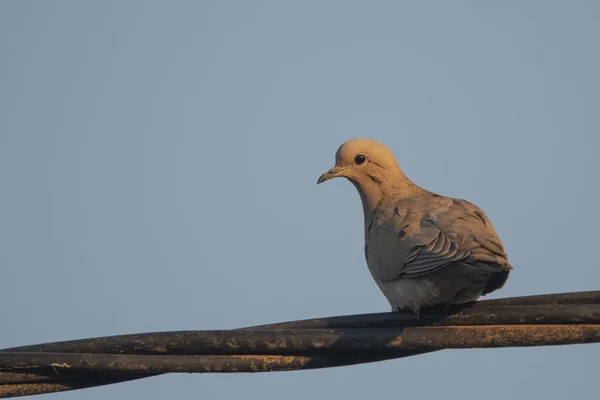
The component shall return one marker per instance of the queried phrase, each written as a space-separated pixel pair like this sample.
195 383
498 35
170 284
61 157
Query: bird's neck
377 192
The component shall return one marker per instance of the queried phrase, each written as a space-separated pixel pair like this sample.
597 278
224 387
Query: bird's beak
332 173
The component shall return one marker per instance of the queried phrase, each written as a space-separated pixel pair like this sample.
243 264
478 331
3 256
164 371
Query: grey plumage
421 248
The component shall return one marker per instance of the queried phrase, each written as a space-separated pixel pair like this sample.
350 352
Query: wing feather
460 233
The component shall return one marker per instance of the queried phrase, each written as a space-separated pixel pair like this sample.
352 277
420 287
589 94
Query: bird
424 250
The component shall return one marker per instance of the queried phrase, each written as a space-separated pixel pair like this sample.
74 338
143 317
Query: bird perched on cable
423 249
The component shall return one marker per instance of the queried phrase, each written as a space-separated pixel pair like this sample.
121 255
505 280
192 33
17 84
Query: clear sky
158 165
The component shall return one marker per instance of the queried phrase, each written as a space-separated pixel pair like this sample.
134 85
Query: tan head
372 168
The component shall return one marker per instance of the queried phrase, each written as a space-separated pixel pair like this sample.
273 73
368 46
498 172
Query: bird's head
361 161
372 168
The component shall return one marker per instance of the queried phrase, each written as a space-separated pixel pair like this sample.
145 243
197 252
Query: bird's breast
384 252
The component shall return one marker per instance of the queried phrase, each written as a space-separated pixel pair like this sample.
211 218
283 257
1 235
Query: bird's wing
428 250
459 232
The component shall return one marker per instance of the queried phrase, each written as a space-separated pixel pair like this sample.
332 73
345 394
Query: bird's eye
359 159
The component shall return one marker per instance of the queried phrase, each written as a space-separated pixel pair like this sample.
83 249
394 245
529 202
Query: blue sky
158 163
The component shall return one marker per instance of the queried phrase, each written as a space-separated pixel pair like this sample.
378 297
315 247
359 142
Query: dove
423 250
